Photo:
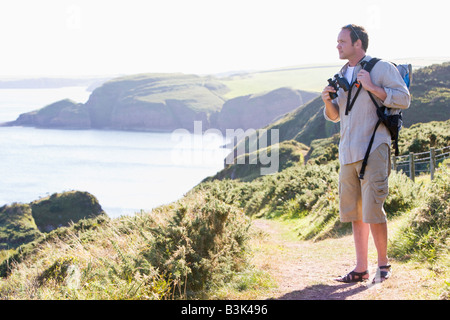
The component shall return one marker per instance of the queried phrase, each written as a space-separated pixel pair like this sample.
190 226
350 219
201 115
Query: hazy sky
108 37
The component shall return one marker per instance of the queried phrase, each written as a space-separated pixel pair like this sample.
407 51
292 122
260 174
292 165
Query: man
361 201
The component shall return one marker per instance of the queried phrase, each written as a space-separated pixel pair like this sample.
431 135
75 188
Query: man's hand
331 110
364 79
326 93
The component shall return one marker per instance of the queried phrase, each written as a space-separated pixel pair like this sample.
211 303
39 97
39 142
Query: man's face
344 46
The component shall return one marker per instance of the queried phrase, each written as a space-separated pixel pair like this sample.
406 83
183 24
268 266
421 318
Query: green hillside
160 88
290 153
430 90
420 137
302 125
165 102
17 226
24 223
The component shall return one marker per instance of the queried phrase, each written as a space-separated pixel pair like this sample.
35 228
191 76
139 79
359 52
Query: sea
127 171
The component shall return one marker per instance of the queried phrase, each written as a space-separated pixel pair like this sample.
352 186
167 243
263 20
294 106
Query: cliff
258 110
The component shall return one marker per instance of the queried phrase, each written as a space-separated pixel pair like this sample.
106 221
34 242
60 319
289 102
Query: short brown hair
358 32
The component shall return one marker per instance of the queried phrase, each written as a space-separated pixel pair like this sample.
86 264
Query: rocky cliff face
257 111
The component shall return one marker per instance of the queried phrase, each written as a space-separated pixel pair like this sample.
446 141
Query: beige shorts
364 199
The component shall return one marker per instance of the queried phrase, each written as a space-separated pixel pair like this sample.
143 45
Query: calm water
126 171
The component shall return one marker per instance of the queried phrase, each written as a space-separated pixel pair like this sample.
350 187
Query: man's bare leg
380 238
361 237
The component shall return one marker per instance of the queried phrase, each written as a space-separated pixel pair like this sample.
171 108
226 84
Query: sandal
353 276
382 275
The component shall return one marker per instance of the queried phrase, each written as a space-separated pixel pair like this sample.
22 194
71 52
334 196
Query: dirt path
304 270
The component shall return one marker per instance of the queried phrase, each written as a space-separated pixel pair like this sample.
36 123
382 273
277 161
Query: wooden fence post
412 166
432 162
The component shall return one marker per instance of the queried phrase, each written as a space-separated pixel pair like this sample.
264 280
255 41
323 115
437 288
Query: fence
424 162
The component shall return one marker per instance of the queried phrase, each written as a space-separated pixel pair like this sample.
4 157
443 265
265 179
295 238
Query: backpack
393 122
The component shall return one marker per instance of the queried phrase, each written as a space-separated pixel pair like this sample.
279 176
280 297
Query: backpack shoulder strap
370 64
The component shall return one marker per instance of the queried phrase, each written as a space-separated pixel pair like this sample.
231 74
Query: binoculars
336 83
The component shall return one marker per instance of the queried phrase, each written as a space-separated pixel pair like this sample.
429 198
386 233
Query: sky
110 37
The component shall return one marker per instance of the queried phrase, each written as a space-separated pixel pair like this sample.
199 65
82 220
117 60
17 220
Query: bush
421 137
201 245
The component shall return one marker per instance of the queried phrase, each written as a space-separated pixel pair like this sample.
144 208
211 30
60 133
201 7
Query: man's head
352 40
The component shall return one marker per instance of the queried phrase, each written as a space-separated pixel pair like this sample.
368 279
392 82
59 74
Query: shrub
201 244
